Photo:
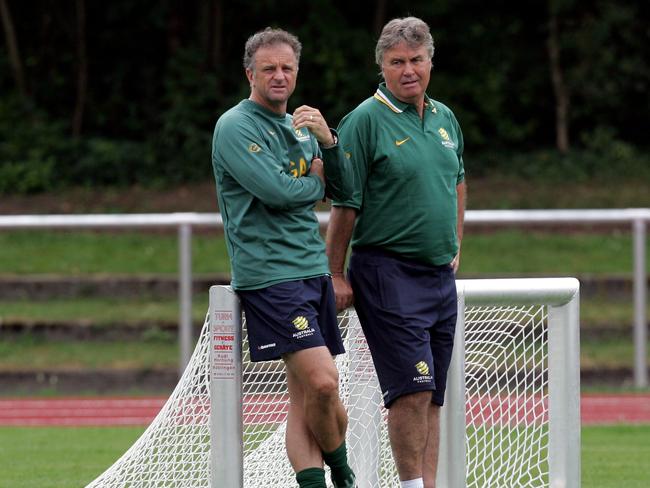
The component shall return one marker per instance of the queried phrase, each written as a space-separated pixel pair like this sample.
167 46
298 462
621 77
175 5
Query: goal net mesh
506 410
506 397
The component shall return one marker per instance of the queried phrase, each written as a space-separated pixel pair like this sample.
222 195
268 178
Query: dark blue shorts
408 314
291 316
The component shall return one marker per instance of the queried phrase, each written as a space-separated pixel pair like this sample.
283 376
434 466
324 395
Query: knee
324 387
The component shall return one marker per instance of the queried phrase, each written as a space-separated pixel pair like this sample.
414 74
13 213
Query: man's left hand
455 263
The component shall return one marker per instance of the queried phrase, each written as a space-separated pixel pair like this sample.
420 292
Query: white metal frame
226 415
561 295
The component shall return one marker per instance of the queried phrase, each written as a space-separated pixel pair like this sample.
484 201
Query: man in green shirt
405 219
270 169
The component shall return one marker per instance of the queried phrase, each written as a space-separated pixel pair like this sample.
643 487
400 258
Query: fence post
185 294
640 297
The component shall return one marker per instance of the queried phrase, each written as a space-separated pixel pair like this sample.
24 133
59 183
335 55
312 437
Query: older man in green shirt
405 219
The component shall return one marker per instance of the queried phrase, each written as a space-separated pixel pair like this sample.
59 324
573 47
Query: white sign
223 345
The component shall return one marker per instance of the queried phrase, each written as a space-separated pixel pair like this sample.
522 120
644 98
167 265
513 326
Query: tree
12 47
560 89
82 69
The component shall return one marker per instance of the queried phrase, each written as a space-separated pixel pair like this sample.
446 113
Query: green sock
311 478
337 460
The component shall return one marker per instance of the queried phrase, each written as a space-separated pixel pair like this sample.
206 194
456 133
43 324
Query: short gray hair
415 32
269 37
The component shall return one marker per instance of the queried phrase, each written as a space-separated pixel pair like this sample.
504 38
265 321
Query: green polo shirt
266 195
406 172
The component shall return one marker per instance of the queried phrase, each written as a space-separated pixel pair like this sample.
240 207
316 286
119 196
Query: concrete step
85 330
47 287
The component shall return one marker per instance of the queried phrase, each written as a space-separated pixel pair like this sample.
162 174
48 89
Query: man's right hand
317 169
342 291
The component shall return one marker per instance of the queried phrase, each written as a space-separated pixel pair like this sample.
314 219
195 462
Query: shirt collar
263 110
384 96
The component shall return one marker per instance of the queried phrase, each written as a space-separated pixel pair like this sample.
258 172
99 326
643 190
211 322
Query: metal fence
637 218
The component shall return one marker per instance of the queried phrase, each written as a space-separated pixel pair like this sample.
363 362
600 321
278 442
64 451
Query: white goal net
512 411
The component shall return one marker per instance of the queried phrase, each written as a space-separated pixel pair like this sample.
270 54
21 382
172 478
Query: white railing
637 218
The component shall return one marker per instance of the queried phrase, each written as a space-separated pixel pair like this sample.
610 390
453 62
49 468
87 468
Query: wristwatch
336 140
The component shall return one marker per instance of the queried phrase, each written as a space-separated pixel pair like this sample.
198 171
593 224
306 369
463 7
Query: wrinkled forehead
278 53
406 50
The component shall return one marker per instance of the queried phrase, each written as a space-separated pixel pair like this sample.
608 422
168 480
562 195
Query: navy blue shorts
408 314
291 316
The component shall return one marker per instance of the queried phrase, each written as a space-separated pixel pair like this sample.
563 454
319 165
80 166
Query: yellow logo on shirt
254 148
302 135
298 170
300 322
422 367
399 143
446 141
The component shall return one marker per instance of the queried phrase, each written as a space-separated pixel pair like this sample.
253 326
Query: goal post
548 399
560 343
564 393
511 414
226 417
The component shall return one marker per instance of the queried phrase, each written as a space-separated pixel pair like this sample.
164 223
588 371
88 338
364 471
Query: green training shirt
266 195
406 172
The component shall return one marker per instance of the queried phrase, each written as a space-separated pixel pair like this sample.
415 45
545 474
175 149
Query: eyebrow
402 58
273 65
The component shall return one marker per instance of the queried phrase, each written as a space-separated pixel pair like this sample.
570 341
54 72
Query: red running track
595 409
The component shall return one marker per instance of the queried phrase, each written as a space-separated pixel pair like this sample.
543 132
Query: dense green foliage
122 92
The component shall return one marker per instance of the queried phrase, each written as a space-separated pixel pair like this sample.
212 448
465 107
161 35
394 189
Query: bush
110 162
32 147
602 157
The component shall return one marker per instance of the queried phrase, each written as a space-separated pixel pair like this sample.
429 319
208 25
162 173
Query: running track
595 409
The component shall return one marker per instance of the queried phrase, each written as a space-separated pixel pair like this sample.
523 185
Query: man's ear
249 75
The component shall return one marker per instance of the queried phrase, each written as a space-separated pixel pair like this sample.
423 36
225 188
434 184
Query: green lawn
160 350
38 354
66 457
506 252
60 457
501 253
157 348
616 457
101 312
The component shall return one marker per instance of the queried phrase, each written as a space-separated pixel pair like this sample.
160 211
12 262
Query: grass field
66 457
505 252
606 339
499 253
105 312
160 350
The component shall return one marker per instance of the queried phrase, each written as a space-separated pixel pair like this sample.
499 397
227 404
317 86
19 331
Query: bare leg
323 413
407 429
302 449
430 464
